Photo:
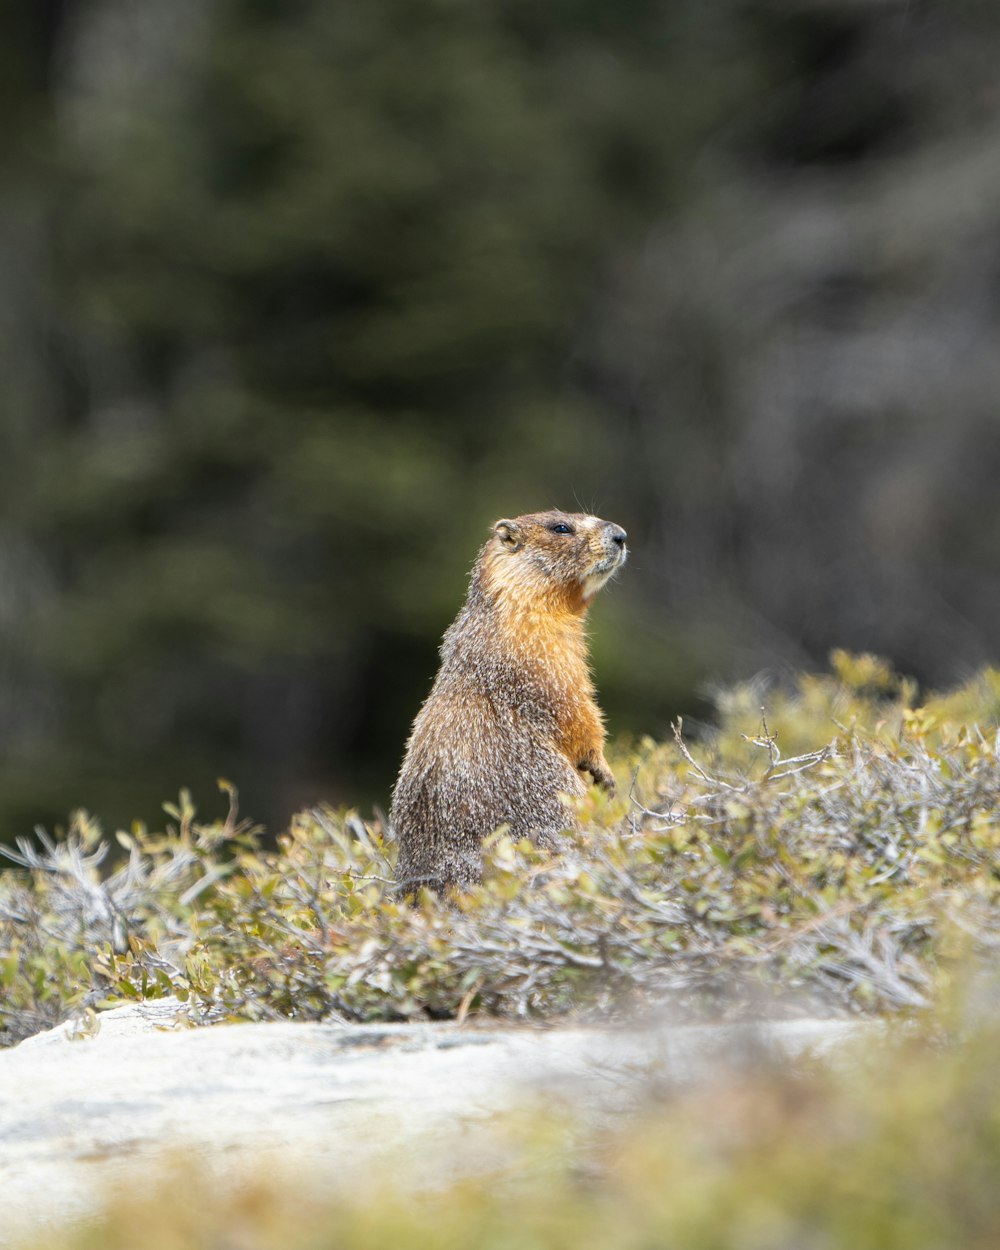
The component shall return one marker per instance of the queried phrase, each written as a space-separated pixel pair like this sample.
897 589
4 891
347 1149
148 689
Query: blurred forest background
296 297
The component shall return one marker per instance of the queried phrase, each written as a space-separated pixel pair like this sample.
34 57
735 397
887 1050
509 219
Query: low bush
837 852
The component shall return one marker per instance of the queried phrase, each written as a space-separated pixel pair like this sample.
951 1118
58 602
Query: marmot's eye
560 527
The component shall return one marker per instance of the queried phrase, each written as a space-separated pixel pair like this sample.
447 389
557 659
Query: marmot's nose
618 535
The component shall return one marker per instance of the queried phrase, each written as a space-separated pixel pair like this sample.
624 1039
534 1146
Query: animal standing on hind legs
511 725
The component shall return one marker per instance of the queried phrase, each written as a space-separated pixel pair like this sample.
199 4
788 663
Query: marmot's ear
509 534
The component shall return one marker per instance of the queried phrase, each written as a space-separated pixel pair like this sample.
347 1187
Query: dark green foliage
295 299
314 275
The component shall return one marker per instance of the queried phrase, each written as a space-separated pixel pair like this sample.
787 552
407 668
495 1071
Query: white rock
327 1099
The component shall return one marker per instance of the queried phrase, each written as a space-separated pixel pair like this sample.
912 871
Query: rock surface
325 1099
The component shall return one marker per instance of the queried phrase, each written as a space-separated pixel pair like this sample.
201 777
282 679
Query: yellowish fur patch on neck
520 587
540 621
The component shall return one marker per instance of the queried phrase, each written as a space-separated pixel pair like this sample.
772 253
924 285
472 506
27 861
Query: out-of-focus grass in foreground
897 1148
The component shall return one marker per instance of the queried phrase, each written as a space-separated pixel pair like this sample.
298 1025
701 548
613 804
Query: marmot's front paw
602 775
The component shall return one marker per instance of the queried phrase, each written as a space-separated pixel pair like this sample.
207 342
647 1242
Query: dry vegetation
841 855
837 855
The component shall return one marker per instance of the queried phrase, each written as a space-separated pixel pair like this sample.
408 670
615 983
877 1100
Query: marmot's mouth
610 562
602 572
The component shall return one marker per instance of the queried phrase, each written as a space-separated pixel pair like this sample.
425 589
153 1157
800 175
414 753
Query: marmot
511 724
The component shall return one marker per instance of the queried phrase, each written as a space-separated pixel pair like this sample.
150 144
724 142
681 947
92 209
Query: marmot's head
558 555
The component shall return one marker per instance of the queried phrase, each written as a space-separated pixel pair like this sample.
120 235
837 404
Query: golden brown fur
511 724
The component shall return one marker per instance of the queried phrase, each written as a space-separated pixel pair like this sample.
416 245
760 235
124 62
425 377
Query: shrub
726 878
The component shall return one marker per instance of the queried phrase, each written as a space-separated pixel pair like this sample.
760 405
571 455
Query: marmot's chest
536 694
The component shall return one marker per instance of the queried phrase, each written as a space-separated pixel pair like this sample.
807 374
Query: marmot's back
511 723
